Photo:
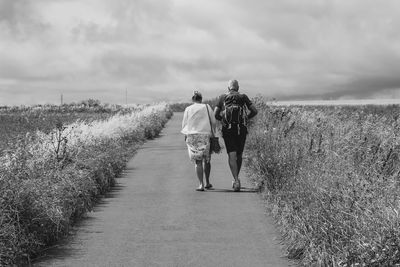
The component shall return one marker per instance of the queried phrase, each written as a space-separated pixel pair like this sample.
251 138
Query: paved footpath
154 217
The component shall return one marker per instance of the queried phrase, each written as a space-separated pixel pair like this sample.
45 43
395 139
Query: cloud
166 49
19 20
139 69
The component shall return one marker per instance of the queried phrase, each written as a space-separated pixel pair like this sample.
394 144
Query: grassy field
16 122
330 175
343 102
56 166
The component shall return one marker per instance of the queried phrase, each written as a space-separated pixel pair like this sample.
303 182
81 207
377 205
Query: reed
331 177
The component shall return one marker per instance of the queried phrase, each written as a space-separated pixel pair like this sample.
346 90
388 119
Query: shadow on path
66 248
223 190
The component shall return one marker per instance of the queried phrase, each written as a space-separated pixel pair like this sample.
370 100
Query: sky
163 50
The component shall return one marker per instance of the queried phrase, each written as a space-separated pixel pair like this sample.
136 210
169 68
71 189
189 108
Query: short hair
197 96
233 85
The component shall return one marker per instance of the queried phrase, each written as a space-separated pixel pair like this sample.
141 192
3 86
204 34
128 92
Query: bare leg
199 172
239 161
233 164
207 170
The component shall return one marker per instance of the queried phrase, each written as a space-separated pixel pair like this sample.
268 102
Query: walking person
232 109
196 126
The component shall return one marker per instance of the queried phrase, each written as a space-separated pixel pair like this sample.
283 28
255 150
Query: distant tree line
81 106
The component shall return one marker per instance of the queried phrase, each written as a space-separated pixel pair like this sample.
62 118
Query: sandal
236 186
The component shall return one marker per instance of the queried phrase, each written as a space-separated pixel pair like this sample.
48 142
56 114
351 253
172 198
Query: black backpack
235 109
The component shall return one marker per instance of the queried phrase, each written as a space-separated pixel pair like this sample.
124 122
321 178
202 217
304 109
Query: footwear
209 186
199 189
233 183
236 185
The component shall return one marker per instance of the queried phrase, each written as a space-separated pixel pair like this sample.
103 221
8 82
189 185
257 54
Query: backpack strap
226 119
225 113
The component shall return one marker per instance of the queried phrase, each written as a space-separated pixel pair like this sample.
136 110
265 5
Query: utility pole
61 99
126 96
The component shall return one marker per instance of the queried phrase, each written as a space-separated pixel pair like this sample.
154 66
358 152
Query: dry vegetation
16 121
50 178
331 178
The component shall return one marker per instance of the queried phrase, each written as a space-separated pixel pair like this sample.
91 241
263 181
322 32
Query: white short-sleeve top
196 121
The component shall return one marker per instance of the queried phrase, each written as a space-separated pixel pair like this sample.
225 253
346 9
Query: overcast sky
165 49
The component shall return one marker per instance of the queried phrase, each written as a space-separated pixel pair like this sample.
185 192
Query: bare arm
217 114
184 121
253 111
212 118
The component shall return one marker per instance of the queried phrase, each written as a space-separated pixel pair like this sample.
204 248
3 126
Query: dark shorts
233 140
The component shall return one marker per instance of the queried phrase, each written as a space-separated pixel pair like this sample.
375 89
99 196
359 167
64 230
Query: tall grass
331 178
51 179
16 121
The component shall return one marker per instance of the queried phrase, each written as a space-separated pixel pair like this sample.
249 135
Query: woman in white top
196 127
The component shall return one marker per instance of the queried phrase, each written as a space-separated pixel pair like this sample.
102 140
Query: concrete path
154 217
